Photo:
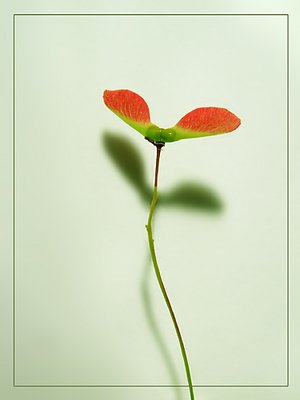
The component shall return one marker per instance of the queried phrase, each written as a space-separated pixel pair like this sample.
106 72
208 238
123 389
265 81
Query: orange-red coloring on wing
209 119
128 104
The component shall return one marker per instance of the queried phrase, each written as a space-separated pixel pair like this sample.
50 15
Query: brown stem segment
158 151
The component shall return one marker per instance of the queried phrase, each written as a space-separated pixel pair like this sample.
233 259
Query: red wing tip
111 91
108 93
238 122
105 95
127 104
210 119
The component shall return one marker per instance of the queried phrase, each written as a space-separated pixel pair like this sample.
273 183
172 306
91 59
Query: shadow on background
128 160
186 195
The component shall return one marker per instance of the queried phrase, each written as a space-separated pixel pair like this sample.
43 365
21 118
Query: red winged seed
209 119
128 104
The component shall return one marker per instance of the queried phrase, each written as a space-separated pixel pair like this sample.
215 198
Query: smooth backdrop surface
80 238
81 256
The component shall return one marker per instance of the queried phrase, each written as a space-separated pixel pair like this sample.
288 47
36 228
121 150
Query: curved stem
157 333
158 274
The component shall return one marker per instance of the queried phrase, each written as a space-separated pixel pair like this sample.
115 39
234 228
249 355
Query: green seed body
168 135
157 134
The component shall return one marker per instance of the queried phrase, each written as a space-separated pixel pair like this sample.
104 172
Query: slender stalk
158 274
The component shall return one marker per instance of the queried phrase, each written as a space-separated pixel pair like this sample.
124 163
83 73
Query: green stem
158 274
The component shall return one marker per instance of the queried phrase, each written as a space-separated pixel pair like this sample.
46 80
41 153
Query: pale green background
80 237
81 245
